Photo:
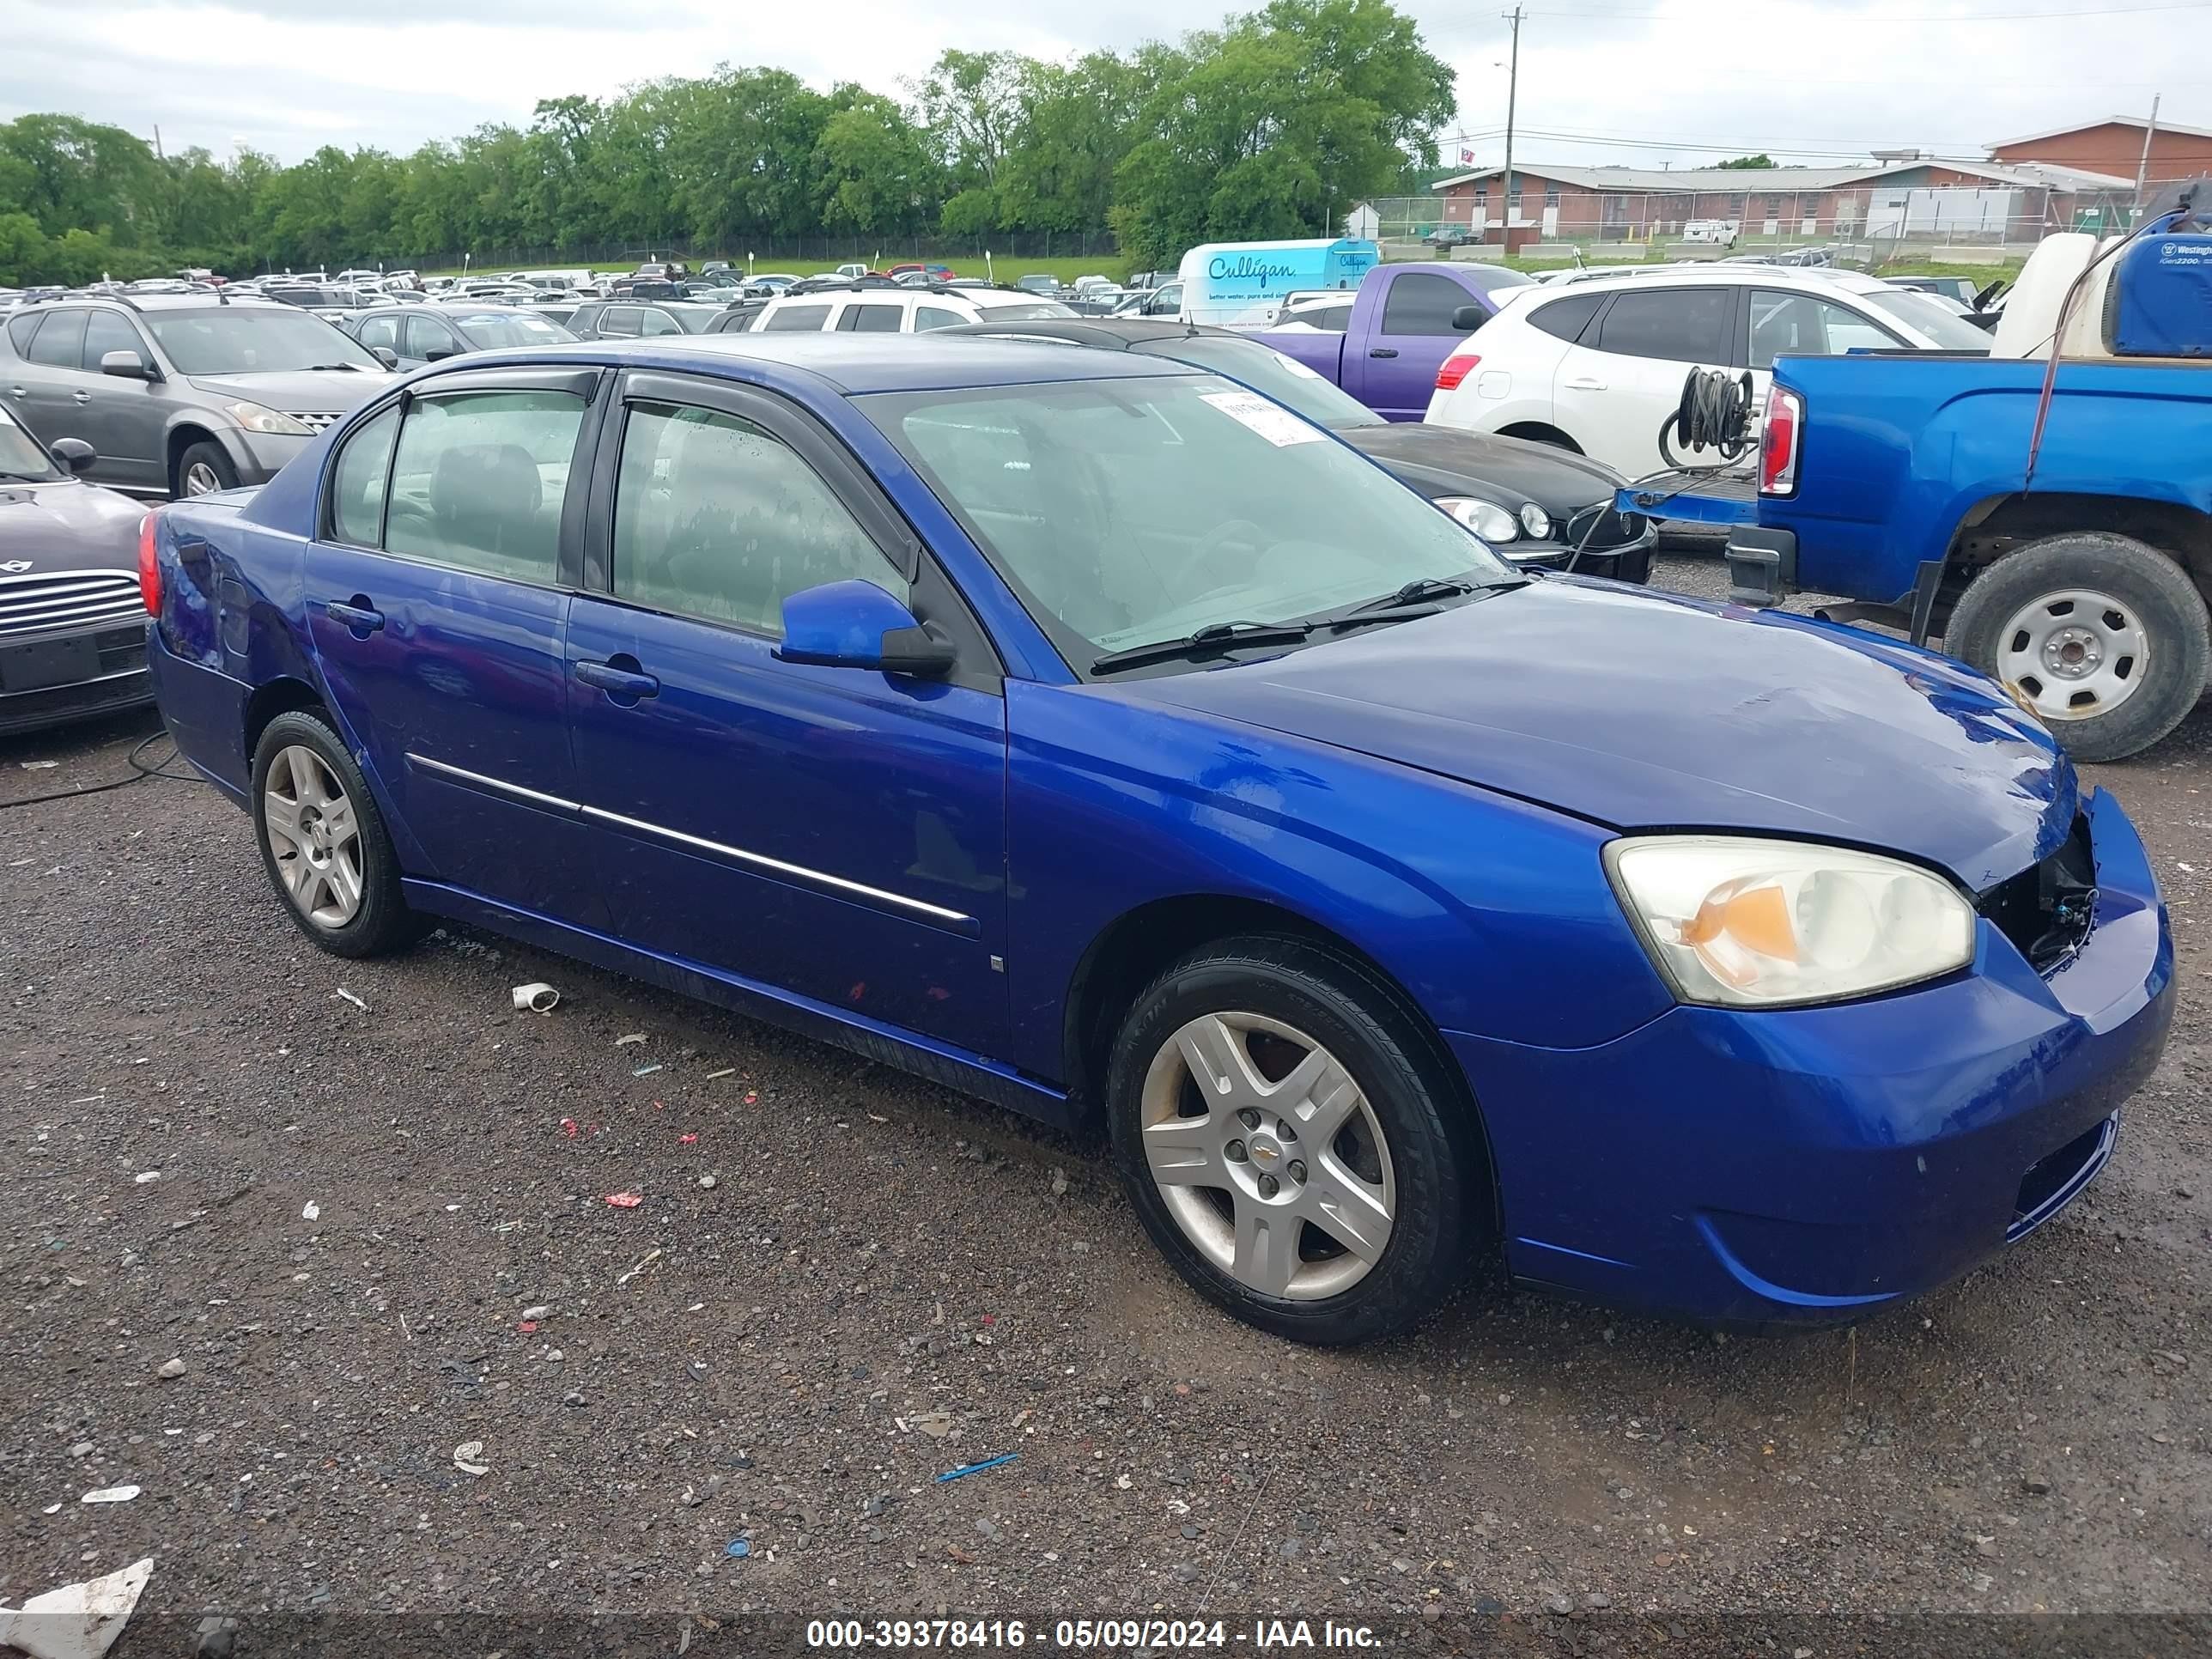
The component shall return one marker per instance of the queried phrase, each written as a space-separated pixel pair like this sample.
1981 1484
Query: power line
1899 17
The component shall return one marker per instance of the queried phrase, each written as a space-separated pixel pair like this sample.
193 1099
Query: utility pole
2143 167
1512 88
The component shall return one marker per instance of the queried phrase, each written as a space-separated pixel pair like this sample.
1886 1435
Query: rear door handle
82 397
1381 351
18 391
359 615
1583 383
617 683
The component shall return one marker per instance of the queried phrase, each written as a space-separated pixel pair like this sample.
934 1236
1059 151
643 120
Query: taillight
1777 442
150 567
1456 367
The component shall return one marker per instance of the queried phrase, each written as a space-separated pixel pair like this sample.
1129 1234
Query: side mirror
440 354
127 365
1468 318
855 624
385 356
74 453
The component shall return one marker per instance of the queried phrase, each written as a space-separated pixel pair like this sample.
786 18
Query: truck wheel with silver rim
1295 1141
323 842
2106 638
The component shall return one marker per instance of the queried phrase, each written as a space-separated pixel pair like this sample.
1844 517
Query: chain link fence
803 254
1871 224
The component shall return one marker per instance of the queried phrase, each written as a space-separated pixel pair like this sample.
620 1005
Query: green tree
1745 163
875 174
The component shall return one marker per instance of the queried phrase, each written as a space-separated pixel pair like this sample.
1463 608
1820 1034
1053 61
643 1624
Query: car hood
1642 711
65 526
325 390
1442 459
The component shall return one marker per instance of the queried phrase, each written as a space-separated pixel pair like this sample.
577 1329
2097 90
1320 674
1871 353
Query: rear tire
323 844
1292 1140
2106 637
203 468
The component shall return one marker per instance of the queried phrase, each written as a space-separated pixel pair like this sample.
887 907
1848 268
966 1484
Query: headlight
1486 519
1536 522
1754 923
254 418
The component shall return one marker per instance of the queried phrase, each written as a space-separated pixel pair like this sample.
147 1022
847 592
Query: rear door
1394 369
437 593
1612 388
834 833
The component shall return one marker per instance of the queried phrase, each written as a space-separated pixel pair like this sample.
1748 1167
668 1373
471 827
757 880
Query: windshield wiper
317 368
1418 590
1417 599
1214 637
26 477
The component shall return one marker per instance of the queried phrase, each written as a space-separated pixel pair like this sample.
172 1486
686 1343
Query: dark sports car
72 623
1534 505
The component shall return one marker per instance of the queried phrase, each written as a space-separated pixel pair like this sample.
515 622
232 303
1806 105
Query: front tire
323 842
2105 637
1293 1143
202 469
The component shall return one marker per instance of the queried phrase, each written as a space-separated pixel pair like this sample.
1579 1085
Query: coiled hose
1715 413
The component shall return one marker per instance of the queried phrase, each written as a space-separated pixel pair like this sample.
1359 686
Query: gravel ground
372 1234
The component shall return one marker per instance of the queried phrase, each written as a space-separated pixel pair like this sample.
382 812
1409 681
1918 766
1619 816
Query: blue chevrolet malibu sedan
1090 733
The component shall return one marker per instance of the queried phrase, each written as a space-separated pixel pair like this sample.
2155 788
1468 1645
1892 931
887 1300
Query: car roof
851 364
1715 271
143 302
1115 333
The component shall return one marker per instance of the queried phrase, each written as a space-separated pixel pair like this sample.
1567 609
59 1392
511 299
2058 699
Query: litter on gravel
966 1469
146 1177
650 1257
625 1200
728 1071
536 998
111 1495
648 1071
311 1211
38 766
353 1000
635 1036
466 1456
738 1549
77 1621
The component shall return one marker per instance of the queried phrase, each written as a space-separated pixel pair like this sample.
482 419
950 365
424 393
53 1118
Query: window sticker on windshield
1271 421
1299 368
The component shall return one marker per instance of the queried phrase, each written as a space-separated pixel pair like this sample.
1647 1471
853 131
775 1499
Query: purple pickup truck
1384 341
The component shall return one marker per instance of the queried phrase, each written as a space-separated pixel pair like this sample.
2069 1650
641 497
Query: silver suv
180 394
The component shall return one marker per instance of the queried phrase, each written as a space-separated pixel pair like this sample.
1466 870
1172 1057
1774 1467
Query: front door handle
618 682
82 397
1383 351
361 618
1583 383
18 391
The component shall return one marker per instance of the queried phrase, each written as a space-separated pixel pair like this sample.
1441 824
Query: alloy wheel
315 836
2074 654
1269 1156
200 479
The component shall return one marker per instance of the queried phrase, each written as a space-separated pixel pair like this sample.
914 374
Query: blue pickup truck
1902 482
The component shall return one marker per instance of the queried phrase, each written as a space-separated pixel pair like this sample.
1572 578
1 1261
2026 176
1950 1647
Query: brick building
2114 146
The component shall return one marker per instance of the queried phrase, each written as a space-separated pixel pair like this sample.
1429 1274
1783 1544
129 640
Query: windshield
1285 379
1130 511
1925 318
490 329
20 454
225 340
1029 311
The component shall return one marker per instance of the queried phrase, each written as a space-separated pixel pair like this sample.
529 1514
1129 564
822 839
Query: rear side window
795 320
60 343
1678 325
104 331
716 518
1422 303
357 481
478 480
1330 320
873 318
1567 318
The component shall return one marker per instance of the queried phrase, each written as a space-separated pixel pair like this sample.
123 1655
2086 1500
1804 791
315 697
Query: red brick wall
2111 147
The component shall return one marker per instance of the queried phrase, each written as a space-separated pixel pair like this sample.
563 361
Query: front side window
717 518
795 320
1801 325
21 458
652 321
252 340
1677 324
478 480
1130 511
425 335
621 322
357 481
1420 302
104 331
379 331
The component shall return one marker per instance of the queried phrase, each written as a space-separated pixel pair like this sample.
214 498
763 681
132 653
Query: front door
1623 378
124 419
437 595
1396 366
833 833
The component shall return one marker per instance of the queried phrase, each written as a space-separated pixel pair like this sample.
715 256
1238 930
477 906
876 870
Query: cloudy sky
1636 81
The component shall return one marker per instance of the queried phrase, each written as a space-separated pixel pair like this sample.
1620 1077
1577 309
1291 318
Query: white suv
872 309
1596 365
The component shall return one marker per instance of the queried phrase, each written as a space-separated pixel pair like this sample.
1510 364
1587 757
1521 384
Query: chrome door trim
505 788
